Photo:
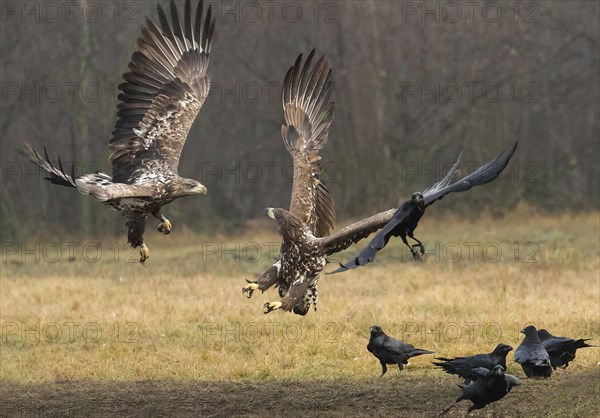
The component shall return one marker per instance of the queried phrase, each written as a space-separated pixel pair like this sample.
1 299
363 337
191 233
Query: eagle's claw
165 227
144 253
249 290
271 306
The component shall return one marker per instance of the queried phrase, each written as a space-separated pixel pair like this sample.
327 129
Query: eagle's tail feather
57 174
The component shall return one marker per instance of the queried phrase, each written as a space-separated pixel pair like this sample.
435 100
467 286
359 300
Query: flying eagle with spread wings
306 228
163 92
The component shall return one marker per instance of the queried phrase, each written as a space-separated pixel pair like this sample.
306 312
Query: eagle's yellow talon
249 290
165 227
144 253
271 306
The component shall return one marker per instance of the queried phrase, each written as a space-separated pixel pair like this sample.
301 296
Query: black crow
462 366
532 356
407 216
561 349
389 350
487 387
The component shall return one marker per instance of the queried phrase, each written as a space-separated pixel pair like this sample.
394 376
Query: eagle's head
290 227
190 186
419 200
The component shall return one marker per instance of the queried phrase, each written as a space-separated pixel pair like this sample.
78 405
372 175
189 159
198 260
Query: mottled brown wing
163 91
308 109
355 232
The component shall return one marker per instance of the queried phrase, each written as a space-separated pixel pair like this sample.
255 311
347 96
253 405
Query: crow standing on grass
561 349
389 350
487 387
532 356
462 366
405 219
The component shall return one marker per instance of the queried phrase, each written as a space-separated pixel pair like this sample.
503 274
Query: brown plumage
305 229
163 92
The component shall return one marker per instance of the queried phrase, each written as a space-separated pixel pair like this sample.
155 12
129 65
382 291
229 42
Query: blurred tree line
416 82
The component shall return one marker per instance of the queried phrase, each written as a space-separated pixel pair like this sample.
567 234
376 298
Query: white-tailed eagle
163 92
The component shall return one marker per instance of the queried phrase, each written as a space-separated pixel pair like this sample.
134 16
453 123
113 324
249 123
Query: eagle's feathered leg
136 223
165 226
296 298
144 253
271 306
266 280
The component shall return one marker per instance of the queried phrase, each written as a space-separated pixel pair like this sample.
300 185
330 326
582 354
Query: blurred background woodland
416 82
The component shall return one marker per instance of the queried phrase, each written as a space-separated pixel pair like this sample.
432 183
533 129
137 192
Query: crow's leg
415 255
383 367
418 244
449 407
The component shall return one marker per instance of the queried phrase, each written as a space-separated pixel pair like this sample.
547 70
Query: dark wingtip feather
198 22
187 21
177 28
208 29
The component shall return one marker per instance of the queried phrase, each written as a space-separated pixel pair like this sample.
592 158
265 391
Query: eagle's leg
144 253
165 226
271 306
249 290
266 280
415 254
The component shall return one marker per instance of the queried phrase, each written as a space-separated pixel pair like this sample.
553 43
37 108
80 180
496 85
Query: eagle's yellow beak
199 189
270 212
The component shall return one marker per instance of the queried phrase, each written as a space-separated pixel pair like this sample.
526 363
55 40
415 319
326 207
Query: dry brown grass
186 318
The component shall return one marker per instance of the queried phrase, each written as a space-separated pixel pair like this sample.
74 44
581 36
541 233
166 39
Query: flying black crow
532 356
407 216
389 350
487 387
462 366
561 349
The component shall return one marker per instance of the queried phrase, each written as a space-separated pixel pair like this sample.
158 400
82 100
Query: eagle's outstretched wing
484 174
308 109
163 91
355 232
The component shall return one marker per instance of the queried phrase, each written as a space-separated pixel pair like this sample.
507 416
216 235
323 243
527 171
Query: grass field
180 338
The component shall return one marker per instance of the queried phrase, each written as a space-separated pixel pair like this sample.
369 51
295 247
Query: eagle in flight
163 92
306 228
